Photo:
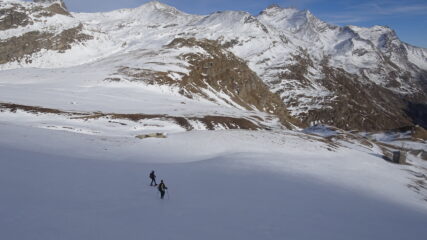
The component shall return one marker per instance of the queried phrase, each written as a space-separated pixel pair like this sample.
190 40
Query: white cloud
375 10
390 8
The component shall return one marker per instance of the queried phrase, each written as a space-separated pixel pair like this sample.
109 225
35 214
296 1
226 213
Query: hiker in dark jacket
153 178
162 189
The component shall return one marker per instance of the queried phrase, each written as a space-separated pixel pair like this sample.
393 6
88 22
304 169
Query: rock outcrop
59 2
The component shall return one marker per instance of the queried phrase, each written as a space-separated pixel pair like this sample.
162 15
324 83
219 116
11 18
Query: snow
418 56
68 178
222 184
388 136
398 139
119 204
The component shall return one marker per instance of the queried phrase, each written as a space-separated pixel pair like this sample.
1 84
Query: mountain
219 106
349 77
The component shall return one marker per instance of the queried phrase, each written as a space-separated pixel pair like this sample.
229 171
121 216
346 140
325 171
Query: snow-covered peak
372 32
291 19
273 6
227 18
381 36
276 9
156 5
151 14
298 25
155 12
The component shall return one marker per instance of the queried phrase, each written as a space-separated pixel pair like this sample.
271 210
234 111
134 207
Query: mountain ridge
312 65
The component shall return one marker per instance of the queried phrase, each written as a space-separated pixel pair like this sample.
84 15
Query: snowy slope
222 184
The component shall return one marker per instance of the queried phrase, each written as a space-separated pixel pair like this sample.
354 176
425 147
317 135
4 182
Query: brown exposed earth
152 135
30 109
21 48
18 16
211 122
14 17
57 9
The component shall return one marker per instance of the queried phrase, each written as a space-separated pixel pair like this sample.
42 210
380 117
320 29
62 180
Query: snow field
222 185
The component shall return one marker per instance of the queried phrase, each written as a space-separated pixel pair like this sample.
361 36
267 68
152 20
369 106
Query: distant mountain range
284 61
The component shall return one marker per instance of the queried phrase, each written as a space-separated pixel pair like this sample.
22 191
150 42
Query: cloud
365 12
390 8
345 19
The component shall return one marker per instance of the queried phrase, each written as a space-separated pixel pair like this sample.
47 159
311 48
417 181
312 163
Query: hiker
162 189
153 178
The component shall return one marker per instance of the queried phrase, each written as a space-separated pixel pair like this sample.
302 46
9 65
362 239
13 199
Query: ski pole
167 192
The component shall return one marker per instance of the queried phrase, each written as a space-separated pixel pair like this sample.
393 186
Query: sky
407 17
